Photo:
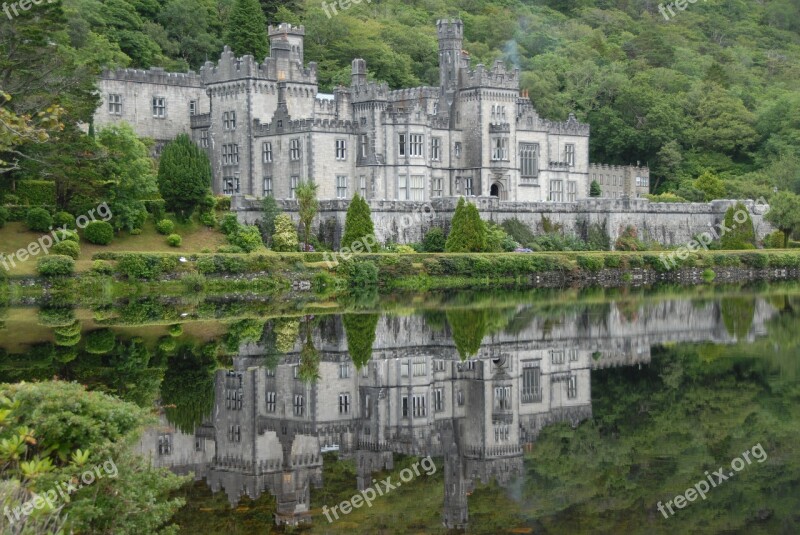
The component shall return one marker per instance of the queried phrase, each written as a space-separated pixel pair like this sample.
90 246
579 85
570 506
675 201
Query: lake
666 410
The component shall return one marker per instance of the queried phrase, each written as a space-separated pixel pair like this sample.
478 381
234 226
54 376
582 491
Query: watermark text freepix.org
368 495
46 241
61 490
24 5
714 479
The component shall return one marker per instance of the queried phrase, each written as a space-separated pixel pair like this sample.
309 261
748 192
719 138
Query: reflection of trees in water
308 371
737 315
187 393
468 327
360 331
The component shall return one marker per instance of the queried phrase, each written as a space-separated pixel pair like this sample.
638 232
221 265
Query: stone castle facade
266 128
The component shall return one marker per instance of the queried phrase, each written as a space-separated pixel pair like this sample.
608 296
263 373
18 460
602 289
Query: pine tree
184 176
467 231
247 30
358 223
594 189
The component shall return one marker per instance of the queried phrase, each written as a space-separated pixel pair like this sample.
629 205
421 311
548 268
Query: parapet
155 75
498 77
285 28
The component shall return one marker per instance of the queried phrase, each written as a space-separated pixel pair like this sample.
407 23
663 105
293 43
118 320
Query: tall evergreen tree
594 189
307 207
271 210
358 223
247 30
467 231
184 176
360 331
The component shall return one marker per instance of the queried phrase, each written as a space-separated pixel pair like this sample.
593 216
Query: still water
511 412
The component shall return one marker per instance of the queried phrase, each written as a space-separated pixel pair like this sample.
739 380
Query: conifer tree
594 189
360 331
358 223
184 176
467 231
247 30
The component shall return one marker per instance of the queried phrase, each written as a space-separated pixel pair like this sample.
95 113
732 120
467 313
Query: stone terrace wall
671 224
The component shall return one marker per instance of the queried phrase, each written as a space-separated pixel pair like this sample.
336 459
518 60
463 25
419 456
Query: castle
266 128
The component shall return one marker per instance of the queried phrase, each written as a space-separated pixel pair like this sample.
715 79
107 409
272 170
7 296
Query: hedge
55 266
146 266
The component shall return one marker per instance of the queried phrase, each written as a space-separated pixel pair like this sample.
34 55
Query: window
341 149
192 107
363 142
572 190
270 401
420 366
344 403
341 187
418 406
230 154
572 387
229 120
468 185
499 149
438 366
362 186
436 149
531 384
363 121
415 145
529 160
234 433
557 356
268 186
402 187
438 186
557 190
573 355
114 104
294 149
204 138
404 406
299 405
457 149
460 397
293 183
569 154
438 399
435 108
266 151
405 369
401 148
159 107
417 187
233 399
344 370
501 433
230 185
502 398
165 444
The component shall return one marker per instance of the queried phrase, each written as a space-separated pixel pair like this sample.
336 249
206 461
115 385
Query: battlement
414 93
370 91
230 68
607 168
155 75
285 28
304 125
498 77
569 127
450 28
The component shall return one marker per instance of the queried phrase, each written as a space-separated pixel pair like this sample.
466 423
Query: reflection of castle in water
415 396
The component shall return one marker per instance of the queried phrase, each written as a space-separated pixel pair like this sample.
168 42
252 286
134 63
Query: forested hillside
714 88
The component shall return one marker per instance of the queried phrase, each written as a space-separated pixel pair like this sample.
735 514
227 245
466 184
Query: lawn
196 238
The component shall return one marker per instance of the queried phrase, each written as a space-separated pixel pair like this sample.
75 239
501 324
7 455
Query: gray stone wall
671 224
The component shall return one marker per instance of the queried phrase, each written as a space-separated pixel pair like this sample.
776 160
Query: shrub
155 207
557 242
39 219
100 342
165 226
102 267
775 240
174 240
230 249
709 275
726 260
68 235
358 226
135 232
247 237
612 261
55 316
597 238
361 274
175 330
755 260
664 197
4 215
467 231
229 224
741 234
146 266
404 249
629 240
194 282
590 263
223 202
208 219
67 248
434 241
64 219
285 237
55 266
99 232
518 230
